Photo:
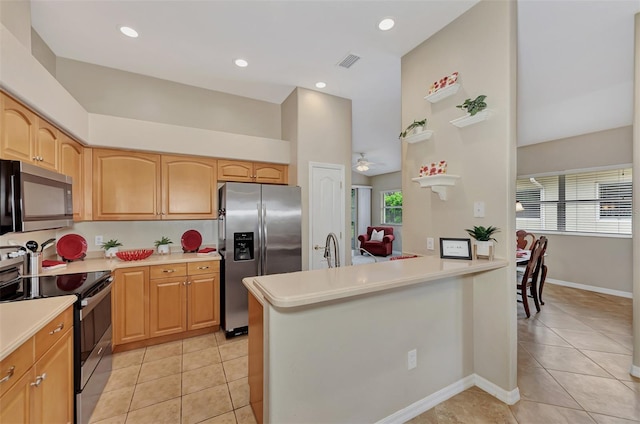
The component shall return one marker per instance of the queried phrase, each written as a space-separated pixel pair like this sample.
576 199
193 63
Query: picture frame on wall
455 248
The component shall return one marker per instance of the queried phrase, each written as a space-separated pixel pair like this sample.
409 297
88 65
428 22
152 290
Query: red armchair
378 248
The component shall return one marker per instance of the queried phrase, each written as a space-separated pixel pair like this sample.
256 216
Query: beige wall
113 92
635 366
322 133
41 51
16 17
481 46
289 125
380 183
601 262
359 179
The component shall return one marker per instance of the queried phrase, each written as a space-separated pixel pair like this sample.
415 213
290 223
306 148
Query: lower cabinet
163 300
44 393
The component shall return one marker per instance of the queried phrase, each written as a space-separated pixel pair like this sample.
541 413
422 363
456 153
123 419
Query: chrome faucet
336 251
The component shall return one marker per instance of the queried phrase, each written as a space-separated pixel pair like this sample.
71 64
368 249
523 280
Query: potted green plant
474 106
484 239
163 245
414 128
111 247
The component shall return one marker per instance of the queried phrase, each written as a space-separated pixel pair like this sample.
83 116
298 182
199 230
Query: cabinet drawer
53 331
204 267
15 365
168 270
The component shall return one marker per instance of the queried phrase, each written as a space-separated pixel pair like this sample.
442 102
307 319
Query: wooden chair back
525 239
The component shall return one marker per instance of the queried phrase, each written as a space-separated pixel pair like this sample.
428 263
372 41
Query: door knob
316 247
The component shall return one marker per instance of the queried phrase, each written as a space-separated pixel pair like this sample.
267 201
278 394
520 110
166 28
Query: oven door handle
87 304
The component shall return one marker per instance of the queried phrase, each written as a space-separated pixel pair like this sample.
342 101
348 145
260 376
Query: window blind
586 202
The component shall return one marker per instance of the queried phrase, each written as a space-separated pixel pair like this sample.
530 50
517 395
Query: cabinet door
270 173
233 170
130 305
46 146
71 164
189 188
53 396
16 402
168 306
126 185
19 131
204 298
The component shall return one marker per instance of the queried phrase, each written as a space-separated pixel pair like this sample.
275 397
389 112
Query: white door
326 211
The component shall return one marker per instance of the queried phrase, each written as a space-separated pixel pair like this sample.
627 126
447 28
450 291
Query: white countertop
104 264
311 287
19 321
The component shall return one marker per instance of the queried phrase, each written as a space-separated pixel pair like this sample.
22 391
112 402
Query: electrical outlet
412 359
478 209
99 241
430 243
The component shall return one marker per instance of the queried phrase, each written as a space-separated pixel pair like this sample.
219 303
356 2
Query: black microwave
33 198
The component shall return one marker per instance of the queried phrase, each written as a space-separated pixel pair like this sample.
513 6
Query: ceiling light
321 84
386 24
241 63
362 167
129 32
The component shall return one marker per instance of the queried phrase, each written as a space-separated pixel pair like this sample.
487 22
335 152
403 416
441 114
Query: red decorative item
134 255
70 282
191 241
71 247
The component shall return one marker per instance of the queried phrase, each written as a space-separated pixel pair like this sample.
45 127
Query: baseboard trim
587 287
508 397
423 405
635 371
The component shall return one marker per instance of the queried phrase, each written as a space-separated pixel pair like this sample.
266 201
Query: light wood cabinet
203 299
42 391
257 172
19 127
126 185
130 305
168 299
45 150
72 164
189 188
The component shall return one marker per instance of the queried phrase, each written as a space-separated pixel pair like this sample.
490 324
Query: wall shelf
438 183
443 93
416 138
470 120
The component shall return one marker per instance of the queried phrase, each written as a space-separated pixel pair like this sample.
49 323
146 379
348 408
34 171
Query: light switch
430 243
478 209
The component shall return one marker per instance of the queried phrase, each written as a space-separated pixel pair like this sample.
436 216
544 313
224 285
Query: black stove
83 285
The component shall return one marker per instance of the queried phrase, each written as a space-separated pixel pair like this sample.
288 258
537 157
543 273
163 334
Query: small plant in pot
111 247
484 239
163 245
414 128
474 106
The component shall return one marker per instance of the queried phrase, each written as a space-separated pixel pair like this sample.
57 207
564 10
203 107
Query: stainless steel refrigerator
259 233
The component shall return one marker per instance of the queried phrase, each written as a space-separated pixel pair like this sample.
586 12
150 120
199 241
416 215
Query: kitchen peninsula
364 343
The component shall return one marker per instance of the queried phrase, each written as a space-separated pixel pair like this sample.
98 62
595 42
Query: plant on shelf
484 239
412 127
474 106
163 244
111 247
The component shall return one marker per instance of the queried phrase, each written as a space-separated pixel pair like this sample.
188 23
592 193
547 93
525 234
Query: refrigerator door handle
260 238
263 245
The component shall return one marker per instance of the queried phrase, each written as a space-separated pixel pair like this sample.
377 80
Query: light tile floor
573 367
198 380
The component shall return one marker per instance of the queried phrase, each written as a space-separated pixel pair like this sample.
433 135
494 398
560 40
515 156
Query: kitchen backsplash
132 234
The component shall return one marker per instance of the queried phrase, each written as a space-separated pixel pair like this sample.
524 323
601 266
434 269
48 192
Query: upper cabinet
72 164
126 185
45 152
189 187
240 171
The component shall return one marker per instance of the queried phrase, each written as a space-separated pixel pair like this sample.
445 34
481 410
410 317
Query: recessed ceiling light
129 32
321 84
241 63
386 24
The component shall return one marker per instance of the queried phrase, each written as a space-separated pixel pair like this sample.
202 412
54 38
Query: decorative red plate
191 240
72 247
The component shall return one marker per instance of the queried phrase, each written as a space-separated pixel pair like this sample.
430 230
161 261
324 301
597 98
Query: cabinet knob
57 329
39 379
9 374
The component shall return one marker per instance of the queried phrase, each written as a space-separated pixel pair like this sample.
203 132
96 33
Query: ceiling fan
362 164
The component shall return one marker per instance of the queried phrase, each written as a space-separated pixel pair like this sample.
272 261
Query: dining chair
541 269
525 239
527 278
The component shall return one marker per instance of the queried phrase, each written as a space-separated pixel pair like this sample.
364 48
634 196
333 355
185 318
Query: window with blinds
586 202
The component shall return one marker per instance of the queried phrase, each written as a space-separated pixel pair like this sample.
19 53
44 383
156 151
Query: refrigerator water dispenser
242 246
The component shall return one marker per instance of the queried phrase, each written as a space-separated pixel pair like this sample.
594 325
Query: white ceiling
575 57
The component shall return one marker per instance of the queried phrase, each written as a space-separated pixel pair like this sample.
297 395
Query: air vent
348 61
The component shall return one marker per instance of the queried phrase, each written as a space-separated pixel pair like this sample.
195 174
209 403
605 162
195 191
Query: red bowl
134 255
